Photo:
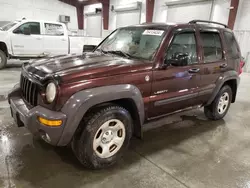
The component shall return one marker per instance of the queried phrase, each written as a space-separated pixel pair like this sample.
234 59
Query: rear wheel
219 107
3 59
106 135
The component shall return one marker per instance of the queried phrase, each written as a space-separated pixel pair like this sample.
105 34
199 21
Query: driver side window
182 51
33 26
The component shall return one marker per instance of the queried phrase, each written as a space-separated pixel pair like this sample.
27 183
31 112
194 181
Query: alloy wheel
109 138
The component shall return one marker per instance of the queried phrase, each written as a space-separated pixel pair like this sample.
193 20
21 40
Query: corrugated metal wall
243 37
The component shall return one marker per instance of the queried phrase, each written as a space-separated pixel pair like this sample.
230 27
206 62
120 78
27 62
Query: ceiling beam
105 15
233 13
80 16
90 2
149 10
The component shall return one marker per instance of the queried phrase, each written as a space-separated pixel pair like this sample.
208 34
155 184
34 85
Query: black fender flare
229 75
79 103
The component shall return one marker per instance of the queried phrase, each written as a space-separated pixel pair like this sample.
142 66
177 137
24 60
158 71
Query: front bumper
25 116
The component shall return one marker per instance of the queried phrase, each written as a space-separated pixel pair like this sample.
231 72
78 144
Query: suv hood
89 65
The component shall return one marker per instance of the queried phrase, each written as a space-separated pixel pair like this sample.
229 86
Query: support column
149 10
105 14
80 16
233 13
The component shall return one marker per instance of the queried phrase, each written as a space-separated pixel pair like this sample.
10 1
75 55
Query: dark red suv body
165 69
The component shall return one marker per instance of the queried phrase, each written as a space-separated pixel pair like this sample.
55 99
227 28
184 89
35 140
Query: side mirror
26 31
17 31
89 48
177 59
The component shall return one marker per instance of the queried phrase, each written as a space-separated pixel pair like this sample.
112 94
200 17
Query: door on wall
94 25
189 11
126 18
129 14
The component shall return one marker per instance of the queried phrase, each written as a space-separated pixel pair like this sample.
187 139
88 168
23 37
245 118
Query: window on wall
53 29
211 46
34 28
183 44
233 50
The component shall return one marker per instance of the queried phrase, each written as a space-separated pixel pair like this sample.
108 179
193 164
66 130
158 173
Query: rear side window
211 46
53 29
233 51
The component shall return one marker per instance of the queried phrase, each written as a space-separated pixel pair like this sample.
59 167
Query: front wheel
219 107
106 135
3 59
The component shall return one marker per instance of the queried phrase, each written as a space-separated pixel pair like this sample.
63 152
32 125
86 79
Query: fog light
51 123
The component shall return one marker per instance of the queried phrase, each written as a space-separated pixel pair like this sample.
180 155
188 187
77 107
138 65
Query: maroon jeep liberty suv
96 101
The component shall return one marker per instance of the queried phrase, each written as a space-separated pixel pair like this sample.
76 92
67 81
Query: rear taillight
242 63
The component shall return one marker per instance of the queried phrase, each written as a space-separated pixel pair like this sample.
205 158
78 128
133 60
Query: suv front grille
29 90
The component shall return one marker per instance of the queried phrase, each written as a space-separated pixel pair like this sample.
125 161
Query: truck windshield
8 26
135 42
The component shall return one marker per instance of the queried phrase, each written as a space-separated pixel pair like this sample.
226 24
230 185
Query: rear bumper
29 118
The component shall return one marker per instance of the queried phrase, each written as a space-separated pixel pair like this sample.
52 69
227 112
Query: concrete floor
188 151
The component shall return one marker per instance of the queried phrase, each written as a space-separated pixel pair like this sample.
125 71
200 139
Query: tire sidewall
221 92
89 133
4 59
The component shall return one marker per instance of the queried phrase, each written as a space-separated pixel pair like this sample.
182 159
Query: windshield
8 26
133 42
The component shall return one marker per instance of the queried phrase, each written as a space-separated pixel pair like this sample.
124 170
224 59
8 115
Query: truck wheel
106 134
3 59
219 107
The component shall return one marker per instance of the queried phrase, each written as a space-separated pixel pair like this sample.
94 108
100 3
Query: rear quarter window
232 46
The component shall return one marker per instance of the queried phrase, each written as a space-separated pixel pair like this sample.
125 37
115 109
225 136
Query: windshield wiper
119 52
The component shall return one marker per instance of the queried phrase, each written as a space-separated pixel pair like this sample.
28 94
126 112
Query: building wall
220 11
37 9
243 16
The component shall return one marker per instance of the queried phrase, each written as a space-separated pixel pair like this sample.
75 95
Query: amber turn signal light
51 123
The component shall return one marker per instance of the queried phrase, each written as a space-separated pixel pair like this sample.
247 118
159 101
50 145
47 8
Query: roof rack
205 21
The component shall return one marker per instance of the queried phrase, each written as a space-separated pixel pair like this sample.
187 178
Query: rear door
175 87
55 39
213 62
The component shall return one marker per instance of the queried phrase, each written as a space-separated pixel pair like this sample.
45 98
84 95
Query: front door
27 45
175 87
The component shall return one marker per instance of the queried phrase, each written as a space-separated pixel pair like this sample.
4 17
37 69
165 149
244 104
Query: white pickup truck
27 39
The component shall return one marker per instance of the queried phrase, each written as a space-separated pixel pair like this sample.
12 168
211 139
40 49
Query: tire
3 59
90 140
219 108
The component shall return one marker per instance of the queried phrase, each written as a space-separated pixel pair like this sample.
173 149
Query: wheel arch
4 48
230 78
127 96
233 85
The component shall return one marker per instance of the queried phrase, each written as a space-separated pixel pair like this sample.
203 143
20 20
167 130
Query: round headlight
51 92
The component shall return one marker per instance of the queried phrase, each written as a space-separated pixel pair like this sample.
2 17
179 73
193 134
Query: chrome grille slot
29 90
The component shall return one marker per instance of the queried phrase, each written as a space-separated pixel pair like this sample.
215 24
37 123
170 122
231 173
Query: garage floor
188 151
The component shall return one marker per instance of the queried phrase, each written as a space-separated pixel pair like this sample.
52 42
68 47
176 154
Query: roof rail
205 21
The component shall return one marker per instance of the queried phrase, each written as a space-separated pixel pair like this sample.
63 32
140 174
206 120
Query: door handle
39 38
194 70
63 39
224 65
